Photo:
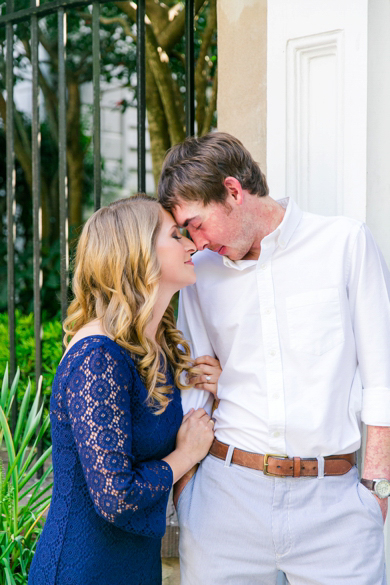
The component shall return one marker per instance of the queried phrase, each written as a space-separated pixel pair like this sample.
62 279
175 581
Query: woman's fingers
202 379
206 360
189 413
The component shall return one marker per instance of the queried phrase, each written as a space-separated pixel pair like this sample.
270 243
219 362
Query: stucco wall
242 73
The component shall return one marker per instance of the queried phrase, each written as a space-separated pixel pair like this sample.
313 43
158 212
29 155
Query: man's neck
268 215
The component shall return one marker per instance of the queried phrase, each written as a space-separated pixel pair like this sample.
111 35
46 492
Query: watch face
382 488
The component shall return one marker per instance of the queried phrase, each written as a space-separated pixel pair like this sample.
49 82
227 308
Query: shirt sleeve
369 292
132 496
191 324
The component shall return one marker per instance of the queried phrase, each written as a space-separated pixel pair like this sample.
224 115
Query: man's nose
200 242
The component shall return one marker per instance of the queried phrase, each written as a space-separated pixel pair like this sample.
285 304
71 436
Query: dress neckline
82 340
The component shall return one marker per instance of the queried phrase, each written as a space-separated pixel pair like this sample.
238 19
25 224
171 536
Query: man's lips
221 250
190 262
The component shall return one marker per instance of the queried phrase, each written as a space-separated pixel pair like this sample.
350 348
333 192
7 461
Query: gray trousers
239 527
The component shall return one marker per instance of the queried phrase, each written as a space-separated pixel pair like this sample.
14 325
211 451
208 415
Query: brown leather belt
283 466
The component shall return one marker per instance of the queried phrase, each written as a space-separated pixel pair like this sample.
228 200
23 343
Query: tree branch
128 8
173 32
49 94
203 67
158 125
208 121
174 29
113 20
158 14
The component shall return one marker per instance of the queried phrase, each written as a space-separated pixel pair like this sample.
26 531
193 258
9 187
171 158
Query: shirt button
282 243
268 312
276 396
272 352
276 434
263 266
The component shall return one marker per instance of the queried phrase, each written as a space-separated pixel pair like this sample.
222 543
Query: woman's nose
189 245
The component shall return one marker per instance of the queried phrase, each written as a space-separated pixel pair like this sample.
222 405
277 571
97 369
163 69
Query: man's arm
191 324
369 292
377 458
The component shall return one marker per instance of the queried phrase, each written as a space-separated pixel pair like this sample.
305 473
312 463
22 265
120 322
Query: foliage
24 499
50 250
165 103
25 348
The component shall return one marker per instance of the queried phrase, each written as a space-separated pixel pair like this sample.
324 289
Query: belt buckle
265 463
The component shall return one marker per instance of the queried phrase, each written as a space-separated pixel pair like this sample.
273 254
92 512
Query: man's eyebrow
187 221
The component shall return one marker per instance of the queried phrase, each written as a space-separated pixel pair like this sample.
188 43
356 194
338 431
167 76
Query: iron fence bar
44 10
62 176
36 192
141 98
190 68
11 203
96 103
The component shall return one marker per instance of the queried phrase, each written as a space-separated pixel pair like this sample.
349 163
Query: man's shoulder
336 224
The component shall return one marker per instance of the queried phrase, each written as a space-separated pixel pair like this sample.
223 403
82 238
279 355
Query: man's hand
384 503
377 458
210 372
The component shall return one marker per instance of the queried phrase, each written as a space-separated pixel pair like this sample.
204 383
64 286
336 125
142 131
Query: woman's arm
125 493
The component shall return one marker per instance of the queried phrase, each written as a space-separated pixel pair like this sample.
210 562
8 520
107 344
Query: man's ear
234 188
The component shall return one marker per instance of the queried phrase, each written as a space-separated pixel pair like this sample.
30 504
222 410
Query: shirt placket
272 353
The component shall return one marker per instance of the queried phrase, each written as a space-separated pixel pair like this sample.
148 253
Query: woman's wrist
180 462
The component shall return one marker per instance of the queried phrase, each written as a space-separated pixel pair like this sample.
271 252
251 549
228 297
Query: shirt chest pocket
314 321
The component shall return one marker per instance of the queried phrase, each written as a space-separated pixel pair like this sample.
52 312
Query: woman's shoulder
99 353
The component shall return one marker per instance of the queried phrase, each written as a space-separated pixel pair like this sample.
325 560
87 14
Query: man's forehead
186 212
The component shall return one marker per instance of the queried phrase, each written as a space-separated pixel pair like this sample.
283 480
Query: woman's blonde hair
116 280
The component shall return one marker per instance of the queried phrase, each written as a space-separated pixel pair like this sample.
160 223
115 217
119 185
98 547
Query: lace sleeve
131 496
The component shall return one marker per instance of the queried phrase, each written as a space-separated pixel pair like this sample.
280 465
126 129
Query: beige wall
242 73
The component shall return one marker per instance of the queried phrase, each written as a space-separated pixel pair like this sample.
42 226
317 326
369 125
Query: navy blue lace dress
110 493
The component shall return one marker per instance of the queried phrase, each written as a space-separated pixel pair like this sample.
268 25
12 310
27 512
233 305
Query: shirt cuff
376 406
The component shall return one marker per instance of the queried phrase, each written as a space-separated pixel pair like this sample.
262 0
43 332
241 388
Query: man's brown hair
195 170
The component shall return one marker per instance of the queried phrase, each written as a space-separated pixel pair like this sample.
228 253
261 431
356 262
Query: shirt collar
282 234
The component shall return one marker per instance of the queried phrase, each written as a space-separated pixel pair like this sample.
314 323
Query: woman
115 407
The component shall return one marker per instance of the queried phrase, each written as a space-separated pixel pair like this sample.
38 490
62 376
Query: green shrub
24 498
25 349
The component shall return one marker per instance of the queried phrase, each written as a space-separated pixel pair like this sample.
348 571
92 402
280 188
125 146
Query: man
296 308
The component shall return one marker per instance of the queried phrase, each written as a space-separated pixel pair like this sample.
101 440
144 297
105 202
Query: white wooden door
317 107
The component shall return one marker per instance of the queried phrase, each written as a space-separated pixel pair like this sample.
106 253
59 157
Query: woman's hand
209 376
193 442
195 436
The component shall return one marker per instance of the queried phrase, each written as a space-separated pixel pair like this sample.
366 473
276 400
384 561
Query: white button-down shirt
302 334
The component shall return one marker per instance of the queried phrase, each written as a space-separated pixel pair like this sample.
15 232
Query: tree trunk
158 126
75 155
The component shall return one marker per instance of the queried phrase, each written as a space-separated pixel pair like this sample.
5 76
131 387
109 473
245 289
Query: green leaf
4 389
8 573
13 390
35 468
32 454
22 414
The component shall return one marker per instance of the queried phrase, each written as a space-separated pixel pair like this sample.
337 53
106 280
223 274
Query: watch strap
368 483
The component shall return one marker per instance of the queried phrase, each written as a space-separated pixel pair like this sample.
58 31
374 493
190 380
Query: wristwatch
380 487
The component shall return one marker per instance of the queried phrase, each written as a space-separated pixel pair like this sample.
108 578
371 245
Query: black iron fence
32 15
